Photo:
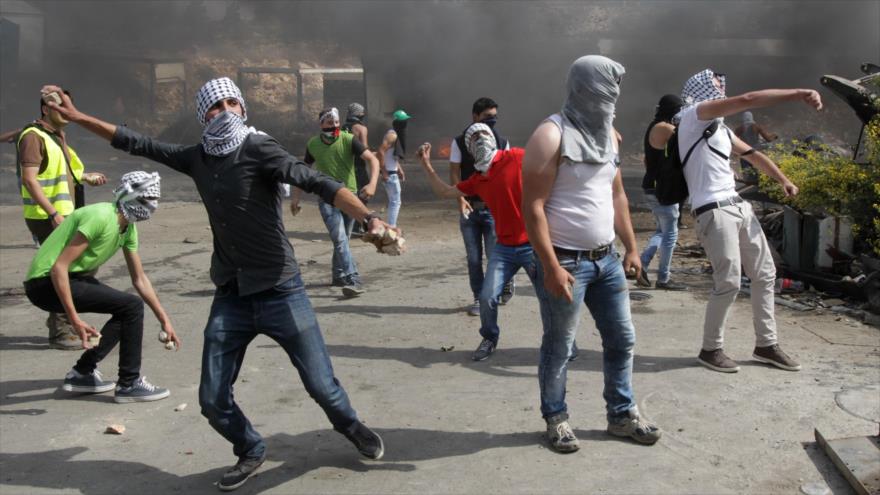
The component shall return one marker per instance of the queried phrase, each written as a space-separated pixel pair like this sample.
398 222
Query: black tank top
652 159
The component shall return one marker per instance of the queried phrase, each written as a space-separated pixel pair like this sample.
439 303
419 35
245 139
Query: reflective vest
53 180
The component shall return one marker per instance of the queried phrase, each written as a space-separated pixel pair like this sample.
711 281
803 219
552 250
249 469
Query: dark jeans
126 326
478 232
284 314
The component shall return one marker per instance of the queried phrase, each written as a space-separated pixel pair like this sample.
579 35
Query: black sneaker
367 441
92 383
575 352
238 474
670 285
484 350
642 280
140 391
338 282
507 292
352 287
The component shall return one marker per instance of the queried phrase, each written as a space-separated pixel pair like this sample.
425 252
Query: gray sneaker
634 426
238 474
474 309
670 285
718 361
352 287
92 383
140 391
560 435
773 355
484 350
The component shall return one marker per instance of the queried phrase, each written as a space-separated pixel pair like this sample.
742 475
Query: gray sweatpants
732 236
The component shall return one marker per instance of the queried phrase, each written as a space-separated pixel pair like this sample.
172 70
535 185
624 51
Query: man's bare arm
30 182
142 285
714 109
440 188
763 163
623 227
61 281
660 134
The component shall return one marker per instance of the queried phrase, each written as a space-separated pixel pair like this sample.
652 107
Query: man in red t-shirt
499 183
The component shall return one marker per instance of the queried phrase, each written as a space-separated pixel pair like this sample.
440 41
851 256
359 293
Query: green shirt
97 223
336 159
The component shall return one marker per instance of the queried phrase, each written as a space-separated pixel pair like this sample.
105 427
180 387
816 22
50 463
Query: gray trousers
732 237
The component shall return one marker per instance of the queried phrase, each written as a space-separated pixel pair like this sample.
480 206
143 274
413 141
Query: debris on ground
180 407
115 430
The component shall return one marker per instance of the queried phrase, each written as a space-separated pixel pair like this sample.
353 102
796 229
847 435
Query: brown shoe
66 342
772 354
718 361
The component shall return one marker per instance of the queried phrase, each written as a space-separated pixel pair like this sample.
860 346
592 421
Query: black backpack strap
707 133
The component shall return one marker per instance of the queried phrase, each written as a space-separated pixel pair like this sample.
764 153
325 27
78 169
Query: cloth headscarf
483 148
137 195
226 131
701 88
356 115
748 118
667 108
593 87
328 119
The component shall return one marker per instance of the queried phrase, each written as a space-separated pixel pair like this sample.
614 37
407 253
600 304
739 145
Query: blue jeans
339 227
478 232
392 190
504 262
286 316
602 286
664 237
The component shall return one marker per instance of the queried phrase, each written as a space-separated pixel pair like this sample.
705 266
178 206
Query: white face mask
483 150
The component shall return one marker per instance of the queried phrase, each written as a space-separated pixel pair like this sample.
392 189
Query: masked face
137 197
482 148
329 121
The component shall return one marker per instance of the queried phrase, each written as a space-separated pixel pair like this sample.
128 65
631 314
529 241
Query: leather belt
588 254
717 204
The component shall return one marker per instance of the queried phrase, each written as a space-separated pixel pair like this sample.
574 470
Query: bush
834 185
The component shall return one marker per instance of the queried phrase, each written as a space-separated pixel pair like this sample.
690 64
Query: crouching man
59 281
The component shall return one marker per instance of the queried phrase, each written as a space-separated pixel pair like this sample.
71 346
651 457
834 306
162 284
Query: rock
180 407
115 430
815 488
447 348
163 336
170 345
190 240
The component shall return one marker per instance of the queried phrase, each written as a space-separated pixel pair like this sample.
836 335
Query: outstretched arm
143 287
763 163
540 165
95 125
714 109
440 188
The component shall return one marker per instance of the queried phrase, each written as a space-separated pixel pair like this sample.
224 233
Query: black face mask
490 121
398 125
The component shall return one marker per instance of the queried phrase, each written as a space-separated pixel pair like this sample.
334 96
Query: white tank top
580 209
390 159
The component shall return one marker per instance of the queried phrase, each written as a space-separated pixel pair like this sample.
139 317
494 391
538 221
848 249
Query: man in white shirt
726 225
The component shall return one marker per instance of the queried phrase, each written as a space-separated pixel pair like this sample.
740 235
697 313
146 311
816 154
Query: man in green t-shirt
59 280
333 153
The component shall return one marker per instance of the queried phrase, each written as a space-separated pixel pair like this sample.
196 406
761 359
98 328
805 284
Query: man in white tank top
392 152
573 204
726 225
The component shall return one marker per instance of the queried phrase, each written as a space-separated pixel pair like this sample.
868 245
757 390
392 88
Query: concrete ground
450 425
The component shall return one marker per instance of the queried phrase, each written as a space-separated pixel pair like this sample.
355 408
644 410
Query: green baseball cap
401 115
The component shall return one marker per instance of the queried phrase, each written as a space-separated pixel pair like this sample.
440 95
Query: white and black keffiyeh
701 88
226 131
483 148
356 110
137 195
588 112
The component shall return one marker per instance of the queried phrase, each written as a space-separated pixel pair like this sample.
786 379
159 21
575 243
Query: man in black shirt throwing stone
238 171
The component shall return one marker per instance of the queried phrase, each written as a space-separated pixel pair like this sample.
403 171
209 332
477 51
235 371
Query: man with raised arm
726 225
238 171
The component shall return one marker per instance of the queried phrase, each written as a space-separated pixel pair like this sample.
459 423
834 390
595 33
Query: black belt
478 204
589 254
391 172
717 204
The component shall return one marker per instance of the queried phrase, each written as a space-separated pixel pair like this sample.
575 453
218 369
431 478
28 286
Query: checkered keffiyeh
214 91
137 195
356 110
701 88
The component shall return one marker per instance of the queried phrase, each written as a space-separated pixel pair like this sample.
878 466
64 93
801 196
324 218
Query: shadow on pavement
24 391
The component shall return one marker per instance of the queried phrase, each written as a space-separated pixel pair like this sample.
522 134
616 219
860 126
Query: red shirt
501 189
